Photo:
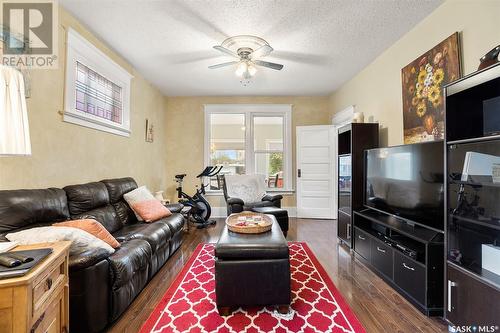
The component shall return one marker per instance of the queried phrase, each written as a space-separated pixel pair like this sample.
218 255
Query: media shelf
472 142
408 257
474 183
495 224
415 232
353 139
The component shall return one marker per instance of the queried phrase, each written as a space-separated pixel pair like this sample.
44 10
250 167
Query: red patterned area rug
189 303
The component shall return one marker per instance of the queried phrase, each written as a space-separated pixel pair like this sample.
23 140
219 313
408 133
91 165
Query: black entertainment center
473 199
353 139
399 232
429 224
409 258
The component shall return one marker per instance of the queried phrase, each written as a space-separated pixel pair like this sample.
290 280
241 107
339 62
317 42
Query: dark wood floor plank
379 307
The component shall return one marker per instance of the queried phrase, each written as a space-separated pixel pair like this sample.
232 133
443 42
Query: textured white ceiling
321 43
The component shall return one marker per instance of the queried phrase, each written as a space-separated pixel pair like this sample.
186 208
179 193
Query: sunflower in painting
423 80
424 87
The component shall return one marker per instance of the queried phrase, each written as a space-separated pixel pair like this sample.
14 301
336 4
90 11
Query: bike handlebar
210 171
215 171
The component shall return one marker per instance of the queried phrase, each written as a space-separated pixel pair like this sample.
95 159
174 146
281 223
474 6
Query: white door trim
333 206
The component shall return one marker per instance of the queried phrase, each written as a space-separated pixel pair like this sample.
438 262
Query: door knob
299 173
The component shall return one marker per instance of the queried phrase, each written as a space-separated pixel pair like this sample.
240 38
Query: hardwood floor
377 306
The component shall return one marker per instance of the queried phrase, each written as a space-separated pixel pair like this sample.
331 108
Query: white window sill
274 192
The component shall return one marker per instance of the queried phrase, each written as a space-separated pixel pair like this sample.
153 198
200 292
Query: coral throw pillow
92 227
145 206
150 210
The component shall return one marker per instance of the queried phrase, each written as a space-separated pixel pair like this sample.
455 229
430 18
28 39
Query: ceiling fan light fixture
248 49
246 70
252 70
241 69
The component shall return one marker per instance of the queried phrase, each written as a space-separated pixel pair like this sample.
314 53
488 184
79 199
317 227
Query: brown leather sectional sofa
101 286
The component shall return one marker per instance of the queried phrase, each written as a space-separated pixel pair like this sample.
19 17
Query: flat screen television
408 182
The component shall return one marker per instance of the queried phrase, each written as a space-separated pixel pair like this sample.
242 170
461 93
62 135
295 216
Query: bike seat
180 176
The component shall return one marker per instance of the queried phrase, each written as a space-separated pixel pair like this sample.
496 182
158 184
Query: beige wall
64 153
376 91
185 132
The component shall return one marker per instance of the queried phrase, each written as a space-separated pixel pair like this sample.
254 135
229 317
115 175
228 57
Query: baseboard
221 212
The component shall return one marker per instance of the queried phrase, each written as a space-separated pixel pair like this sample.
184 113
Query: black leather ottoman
281 216
252 269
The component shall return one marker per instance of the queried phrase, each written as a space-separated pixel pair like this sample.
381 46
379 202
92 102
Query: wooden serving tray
243 223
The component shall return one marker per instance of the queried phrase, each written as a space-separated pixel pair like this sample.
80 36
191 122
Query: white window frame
250 111
81 50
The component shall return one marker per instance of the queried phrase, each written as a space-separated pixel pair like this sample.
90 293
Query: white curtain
14 128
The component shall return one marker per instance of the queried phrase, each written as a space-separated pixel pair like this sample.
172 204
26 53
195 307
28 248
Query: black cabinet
363 243
382 257
353 139
470 300
344 225
408 257
473 199
409 275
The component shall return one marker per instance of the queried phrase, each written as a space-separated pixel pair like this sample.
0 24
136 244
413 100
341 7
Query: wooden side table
39 300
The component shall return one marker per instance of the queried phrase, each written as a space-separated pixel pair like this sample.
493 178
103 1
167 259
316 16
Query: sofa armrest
234 205
175 207
235 201
275 199
270 197
86 259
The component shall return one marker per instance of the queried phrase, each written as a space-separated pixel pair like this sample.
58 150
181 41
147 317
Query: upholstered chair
246 192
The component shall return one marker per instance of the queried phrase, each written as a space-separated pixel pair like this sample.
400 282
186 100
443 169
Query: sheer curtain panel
14 128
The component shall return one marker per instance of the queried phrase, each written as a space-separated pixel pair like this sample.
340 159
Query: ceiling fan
248 49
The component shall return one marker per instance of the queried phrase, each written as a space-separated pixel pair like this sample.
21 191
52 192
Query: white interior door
315 172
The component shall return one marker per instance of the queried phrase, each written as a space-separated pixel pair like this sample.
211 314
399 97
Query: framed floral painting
423 82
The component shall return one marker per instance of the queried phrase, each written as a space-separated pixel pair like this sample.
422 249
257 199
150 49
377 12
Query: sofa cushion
125 214
105 215
134 255
86 258
175 222
85 197
118 187
156 234
22 208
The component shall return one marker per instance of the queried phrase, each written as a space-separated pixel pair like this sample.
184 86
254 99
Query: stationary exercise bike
199 209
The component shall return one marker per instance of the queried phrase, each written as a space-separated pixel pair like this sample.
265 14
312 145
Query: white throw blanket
249 188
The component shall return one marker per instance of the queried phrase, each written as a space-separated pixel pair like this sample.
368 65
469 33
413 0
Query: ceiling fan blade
224 64
262 51
271 65
226 51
